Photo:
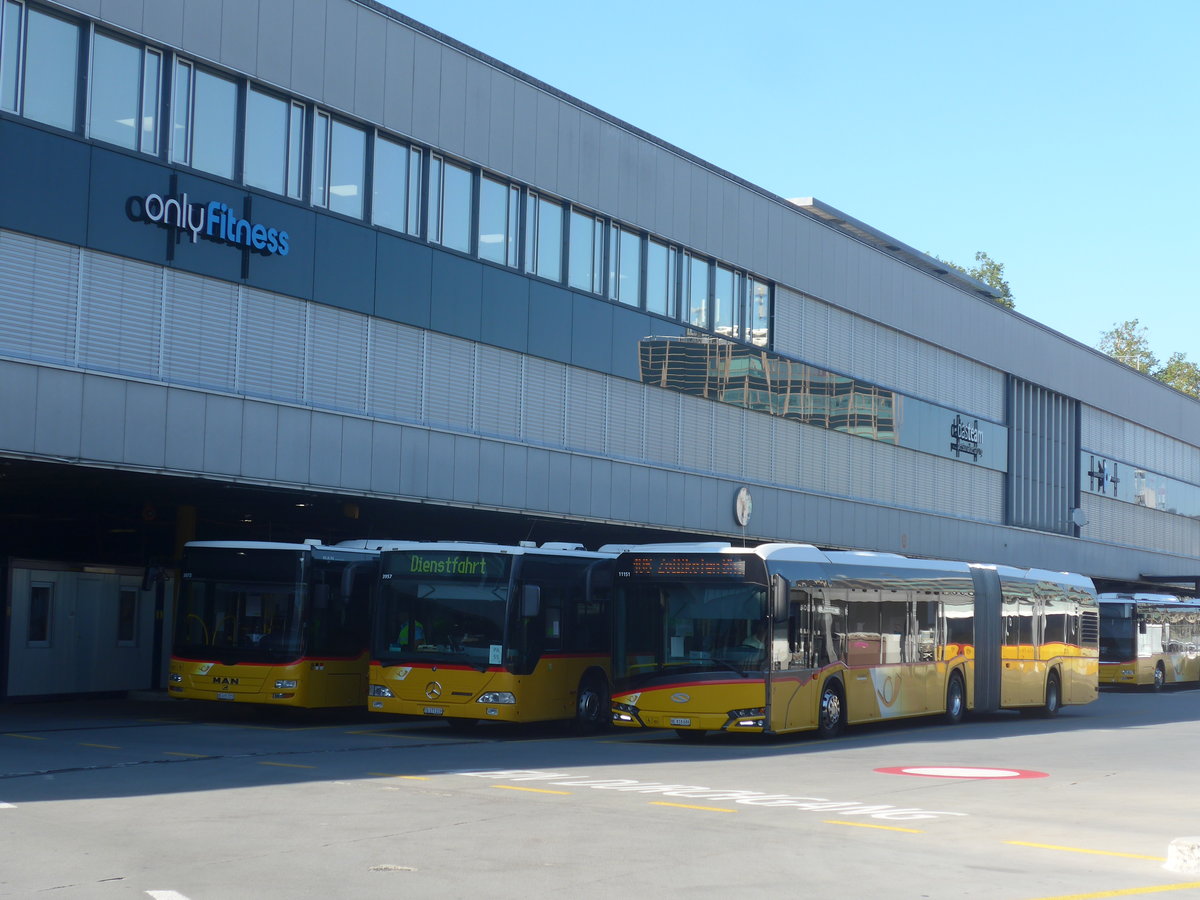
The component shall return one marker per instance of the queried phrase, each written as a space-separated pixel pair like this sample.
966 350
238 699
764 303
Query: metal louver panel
625 419
397 362
662 427
449 381
121 316
337 357
498 394
587 403
543 402
38 298
200 336
273 333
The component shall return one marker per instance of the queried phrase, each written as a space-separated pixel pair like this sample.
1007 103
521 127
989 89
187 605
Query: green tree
1127 342
990 273
1180 373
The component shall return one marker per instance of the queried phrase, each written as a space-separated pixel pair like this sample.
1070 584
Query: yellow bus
1149 639
786 637
273 623
489 632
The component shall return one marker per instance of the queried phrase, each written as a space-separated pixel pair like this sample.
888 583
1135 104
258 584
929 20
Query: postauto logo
214 221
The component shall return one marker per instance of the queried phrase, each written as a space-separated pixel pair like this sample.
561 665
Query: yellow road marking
1083 850
28 737
101 746
513 787
1128 892
868 825
286 765
189 755
687 806
391 775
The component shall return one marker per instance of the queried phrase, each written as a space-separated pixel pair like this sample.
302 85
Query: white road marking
166 895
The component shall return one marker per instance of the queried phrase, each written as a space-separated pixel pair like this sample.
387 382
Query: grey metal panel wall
1133 443
1042 459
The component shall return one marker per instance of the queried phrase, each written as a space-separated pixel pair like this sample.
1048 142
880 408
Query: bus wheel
956 700
831 715
1053 697
1160 677
593 709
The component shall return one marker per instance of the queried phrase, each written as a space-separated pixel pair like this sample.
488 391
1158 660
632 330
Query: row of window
134 91
39 627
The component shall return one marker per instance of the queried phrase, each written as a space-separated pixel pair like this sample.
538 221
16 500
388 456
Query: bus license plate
434 710
224 696
681 721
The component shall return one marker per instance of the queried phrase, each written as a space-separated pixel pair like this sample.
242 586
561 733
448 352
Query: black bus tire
956 699
831 711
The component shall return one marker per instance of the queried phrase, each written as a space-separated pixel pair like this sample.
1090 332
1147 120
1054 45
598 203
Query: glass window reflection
543 241
497 234
396 184
697 291
214 123
267 132
586 244
51 61
115 92
660 278
347 166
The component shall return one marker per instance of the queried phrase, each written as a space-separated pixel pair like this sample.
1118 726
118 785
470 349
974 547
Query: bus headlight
747 713
175 678
378 690
625 708
497 697
284 685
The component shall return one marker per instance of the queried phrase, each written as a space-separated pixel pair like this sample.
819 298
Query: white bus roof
551 548
275 545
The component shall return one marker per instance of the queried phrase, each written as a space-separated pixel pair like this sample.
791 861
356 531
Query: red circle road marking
961 772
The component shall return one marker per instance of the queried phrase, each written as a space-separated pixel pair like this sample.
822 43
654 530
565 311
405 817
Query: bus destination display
668 566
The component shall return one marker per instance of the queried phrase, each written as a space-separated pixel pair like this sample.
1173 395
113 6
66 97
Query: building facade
307 268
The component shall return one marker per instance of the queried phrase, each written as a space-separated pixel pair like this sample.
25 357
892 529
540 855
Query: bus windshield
1116 634
241 616
675 628
443 606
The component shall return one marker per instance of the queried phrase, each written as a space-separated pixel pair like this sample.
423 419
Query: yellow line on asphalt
189 755
513 787
392 775
101 746
28 737
686 806
286 765
1083 850
1128 892
868 825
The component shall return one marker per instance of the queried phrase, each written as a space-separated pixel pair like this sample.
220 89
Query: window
123 106
274 144
724 307
499 213
660 278
41 64
585 266
758 313
205 121
543 237
41 609
396 192
339 166
127 608
696 274
449 204
625 265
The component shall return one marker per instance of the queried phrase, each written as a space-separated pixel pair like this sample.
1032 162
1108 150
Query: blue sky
1061 137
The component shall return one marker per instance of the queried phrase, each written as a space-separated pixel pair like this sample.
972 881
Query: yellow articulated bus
1149 639
786 637
273 623
488 632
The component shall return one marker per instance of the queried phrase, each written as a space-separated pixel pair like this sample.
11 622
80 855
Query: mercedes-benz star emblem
433 690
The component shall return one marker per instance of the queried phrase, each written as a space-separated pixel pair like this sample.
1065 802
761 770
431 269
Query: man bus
850 637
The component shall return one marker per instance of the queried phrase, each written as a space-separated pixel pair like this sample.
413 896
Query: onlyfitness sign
213 221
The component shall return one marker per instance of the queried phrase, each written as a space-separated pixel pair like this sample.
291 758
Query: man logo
681 698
